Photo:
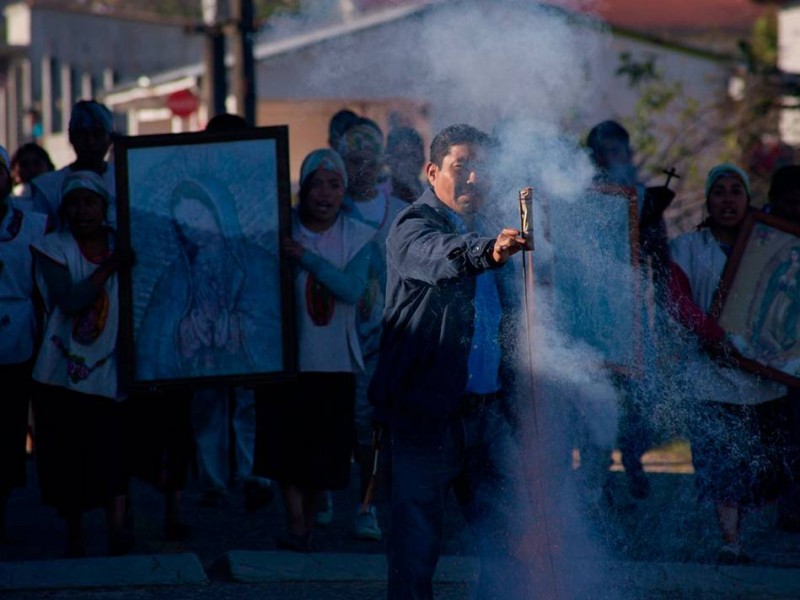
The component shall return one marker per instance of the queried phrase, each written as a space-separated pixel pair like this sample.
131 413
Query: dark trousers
478 458
635 433
786 438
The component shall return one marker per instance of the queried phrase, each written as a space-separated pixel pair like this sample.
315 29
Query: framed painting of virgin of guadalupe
209 298
595 277
758 301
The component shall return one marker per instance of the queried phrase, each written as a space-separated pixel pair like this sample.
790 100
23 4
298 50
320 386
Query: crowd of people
402 298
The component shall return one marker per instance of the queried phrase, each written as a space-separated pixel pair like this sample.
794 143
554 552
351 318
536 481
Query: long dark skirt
159 437
306 431
16 380
733 455
80 448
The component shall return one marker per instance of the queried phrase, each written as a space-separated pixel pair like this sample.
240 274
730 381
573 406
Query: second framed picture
209 298
596 287
759 298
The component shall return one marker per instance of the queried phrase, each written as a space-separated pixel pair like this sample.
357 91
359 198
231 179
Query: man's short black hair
370 123
783 180
37 151
454 135
226 122
341 122
404 137
605 131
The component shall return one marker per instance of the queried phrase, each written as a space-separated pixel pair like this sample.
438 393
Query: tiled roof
680 15
648 15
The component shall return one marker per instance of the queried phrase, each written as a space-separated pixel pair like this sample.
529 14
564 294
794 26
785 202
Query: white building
55 54
432 63
426 63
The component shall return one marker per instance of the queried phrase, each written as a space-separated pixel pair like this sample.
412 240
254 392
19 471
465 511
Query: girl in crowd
80 441
29 161
732 407
308 433
18 230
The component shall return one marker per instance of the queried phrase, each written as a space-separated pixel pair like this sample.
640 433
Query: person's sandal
177 531
120 543
296 542
732 554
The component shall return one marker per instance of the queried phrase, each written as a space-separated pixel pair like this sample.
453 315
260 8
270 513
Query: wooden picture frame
758 300
209 299
595 274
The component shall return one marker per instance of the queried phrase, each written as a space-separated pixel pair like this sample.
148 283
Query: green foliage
764 42
637 72
669 128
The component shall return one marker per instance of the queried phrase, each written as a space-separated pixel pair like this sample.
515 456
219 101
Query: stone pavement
661 547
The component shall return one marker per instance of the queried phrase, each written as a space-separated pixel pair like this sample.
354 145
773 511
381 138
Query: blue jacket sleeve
346 285
419 249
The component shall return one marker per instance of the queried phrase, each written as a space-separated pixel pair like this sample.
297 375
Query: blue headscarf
723 170
324 158
90 114
85 180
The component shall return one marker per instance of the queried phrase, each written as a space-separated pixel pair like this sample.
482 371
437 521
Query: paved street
652 546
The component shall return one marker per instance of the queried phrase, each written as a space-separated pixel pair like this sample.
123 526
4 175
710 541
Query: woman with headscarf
308 435
18 333
731 406
76 397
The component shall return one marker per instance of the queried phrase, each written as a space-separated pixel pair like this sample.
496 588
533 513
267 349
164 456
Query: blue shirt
484 355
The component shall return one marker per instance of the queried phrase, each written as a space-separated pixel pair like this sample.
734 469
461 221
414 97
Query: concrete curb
699 580
637 579
643 578
263 567
101 572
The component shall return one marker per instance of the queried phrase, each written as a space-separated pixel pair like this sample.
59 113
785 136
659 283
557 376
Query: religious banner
758 303
209 298
596 286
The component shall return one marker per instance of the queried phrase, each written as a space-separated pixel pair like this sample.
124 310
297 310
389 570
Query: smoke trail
523 71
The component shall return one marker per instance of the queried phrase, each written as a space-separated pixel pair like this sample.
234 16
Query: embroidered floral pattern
77 369
763 235
90 322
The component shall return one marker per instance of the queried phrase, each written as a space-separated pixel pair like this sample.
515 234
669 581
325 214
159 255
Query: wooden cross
670 174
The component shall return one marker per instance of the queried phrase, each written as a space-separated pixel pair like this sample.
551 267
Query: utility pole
215 87
243 71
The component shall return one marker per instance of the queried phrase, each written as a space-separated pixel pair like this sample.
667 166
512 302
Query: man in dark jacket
438 381
610 146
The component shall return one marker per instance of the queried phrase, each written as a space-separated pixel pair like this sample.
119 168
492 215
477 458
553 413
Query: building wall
308 120
789 61
789 38
398 60
74 55
450 63
538 68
